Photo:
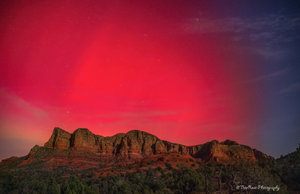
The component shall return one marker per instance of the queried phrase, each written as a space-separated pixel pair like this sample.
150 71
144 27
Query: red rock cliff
138 144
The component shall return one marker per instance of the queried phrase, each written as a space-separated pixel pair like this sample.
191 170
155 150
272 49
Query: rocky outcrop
32 156
84 150
85 141
138 144
226 150
59 139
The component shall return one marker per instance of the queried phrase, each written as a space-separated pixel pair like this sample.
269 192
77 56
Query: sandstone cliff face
85 141
226 150
59 139
138 144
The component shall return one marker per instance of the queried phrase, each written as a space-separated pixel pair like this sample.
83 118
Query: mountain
84 150
139 162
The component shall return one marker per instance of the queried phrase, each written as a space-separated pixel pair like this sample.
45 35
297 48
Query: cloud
266 27
268 76
23 119
267 31
268 52
13 102
292 88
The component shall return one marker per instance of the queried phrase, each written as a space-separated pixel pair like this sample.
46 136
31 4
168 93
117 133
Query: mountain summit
139 144
83 150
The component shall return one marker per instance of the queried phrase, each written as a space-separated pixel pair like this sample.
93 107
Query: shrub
169 166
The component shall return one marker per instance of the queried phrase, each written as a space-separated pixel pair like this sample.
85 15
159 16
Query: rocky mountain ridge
137 144
84 150
140 154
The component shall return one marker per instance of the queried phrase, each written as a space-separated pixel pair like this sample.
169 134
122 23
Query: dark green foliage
166 191
288 170
169 166
187 179
211 177
75 185
181 180
158 169
208 172
36 187
53 187
9 183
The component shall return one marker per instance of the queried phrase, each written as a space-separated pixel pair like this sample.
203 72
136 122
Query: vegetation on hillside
206 178
289 170
199 177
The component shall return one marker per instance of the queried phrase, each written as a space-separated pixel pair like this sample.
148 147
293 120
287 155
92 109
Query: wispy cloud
291 88
268 31
269 27
267 52
268 76
13 102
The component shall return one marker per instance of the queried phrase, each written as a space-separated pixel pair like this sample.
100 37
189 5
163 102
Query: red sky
114 67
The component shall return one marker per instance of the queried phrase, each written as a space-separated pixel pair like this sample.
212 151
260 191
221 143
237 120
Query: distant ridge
138 144
86 148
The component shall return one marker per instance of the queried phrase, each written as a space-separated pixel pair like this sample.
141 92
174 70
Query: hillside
83 150
139 162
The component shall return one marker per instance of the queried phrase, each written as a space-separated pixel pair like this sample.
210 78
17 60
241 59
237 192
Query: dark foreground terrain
138 162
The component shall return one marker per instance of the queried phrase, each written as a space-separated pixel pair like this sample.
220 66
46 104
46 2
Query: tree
187 179
53 187
76 185
169 166
37 186
125 188
208 173
166 191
